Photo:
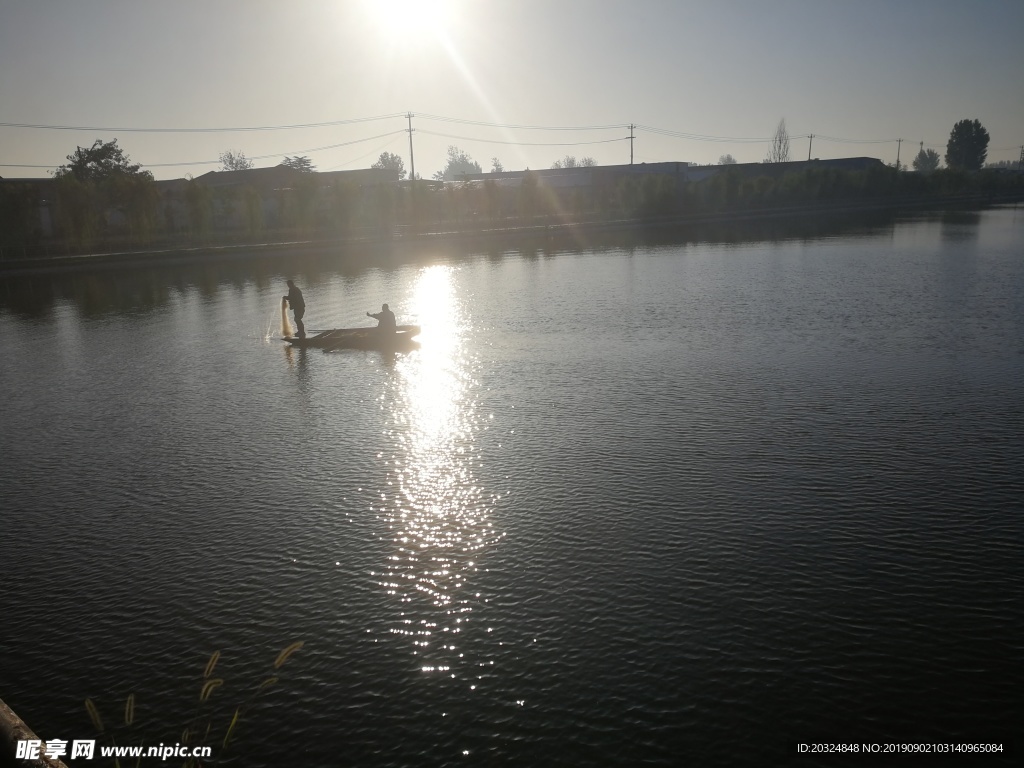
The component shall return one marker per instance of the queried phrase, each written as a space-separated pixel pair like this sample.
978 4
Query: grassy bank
582 231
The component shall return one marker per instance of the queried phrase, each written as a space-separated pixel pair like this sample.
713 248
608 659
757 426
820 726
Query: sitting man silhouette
385 319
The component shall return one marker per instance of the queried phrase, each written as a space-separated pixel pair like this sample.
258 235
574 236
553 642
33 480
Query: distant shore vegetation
99 201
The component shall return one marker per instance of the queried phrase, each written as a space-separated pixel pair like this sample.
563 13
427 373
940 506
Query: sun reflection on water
435 510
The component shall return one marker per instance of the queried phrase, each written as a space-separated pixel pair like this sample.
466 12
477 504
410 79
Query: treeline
124 212
732 189
735 188
127 210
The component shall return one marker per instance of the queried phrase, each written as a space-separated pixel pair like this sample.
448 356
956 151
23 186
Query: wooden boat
360 338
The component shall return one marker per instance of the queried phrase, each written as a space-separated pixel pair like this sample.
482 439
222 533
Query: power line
700 136
755 139
840 140
372 152
440 118
214 162
279 154
296 126
523 143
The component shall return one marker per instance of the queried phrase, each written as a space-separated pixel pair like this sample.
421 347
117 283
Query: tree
78 208
967 146
727 160
136 198
199 204
19 217
570 161
97 181
492 204
528 194
234 161
343 204
459 164
100 162
390 162
252 207
306 190
778 152
496 166
927 160
302 164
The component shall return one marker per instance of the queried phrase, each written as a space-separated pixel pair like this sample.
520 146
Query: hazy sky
861 70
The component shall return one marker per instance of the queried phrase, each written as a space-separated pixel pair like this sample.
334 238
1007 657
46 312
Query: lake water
680 503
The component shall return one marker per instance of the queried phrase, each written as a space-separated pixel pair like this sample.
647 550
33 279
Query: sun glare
436 511
409 21
434 384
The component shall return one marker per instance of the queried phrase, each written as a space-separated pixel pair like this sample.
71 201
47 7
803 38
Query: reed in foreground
200 731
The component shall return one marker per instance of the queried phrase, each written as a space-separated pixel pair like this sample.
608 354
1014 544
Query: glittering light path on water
436 513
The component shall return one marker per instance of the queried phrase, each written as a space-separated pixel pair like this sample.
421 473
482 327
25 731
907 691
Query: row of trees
100 183
966 149
571 162
235 160
733 189
459 164
101 195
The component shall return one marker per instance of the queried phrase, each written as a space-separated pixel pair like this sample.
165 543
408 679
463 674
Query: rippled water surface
676 503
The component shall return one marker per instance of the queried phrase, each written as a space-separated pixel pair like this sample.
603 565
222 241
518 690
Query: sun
407 21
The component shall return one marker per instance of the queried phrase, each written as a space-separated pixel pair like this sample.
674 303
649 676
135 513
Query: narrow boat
360 338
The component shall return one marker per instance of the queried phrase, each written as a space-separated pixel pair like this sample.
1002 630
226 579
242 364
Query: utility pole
809 144
631 127
899 143
412 160
1021 161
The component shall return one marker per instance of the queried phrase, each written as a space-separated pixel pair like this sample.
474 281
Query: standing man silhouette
298 305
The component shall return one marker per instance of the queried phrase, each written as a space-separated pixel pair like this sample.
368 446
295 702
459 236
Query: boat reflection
436 513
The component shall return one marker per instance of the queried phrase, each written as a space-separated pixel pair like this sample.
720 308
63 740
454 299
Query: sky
524 81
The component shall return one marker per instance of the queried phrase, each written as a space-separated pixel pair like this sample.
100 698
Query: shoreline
12 730
400 236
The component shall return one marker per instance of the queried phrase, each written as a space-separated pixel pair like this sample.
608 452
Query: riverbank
582 232
12 730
